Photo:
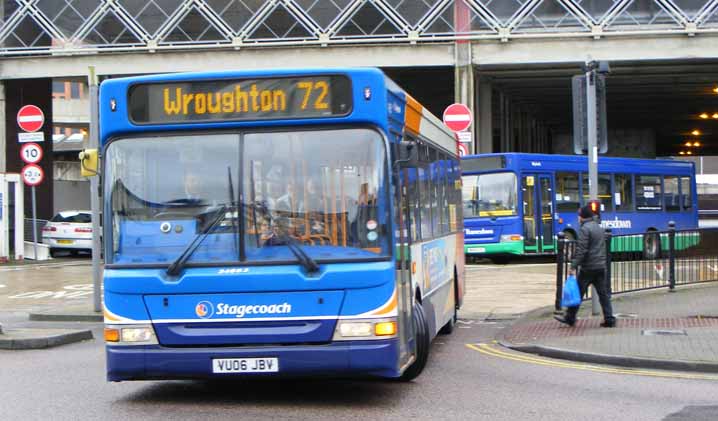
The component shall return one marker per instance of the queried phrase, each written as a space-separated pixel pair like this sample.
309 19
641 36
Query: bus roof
549 162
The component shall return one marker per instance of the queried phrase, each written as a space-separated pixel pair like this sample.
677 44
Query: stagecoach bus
516 203
275 223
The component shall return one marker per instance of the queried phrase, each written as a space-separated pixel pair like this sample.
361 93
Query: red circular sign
31 153
457 117
463 150
32 174
30 118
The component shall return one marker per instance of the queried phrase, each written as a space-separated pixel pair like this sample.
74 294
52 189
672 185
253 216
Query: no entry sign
32 174
457 117
30 118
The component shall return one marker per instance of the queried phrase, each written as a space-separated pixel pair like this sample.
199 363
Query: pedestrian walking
590 261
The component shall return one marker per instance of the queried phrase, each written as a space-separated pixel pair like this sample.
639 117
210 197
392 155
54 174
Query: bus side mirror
408 155
88 162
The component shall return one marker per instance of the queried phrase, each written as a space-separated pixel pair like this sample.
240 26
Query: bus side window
686 193
648 193
670 195
604 191
567 198
424 182
414 204
624 192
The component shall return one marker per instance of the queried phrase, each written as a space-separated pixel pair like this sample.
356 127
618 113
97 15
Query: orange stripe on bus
390 306
412 114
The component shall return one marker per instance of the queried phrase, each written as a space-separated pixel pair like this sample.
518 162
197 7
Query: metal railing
28 229
656 259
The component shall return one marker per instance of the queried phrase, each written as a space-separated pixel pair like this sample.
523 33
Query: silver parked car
69 230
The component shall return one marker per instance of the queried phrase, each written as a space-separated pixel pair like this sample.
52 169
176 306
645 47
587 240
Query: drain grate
664 332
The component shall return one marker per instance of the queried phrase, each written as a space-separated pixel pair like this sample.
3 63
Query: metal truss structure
51 27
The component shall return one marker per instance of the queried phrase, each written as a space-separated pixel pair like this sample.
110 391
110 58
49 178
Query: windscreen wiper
309 264
176 267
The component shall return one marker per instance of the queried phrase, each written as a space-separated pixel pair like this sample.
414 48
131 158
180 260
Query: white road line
33 266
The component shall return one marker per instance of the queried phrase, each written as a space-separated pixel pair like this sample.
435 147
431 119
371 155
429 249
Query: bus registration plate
245 365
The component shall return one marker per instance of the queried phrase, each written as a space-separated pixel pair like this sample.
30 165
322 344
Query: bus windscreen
240 99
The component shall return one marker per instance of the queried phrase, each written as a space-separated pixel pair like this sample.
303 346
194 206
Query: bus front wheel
423 342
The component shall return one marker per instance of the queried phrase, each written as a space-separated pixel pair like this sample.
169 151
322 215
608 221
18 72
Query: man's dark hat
585 212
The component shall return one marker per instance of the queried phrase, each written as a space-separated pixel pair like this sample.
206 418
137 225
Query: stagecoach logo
535 163
482 231
204 309
615 224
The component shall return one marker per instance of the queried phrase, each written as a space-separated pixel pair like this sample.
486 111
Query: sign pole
34 224
94 194
592 154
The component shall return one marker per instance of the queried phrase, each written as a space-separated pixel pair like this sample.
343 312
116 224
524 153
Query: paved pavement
655 329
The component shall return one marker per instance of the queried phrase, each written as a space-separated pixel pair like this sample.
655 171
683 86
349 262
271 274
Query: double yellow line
494 351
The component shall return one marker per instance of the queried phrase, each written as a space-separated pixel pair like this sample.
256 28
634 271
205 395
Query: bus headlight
365 329
511 237
130 335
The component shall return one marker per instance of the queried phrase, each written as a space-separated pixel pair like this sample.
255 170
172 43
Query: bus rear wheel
651 245
423 342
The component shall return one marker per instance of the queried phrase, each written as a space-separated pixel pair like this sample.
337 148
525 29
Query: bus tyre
651 245
423 342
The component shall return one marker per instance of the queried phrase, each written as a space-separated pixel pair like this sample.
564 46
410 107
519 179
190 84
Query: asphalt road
463 381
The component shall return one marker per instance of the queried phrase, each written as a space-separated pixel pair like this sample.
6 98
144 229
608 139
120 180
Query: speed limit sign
31 153
32 174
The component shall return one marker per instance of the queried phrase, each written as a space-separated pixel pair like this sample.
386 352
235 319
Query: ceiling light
715 115
696 133
696 144
681 153
703 115
689 144
715 89
689 153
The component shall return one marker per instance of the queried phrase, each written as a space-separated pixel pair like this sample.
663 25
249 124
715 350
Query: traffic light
580 122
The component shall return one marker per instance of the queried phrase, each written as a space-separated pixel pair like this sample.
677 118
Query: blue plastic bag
571 293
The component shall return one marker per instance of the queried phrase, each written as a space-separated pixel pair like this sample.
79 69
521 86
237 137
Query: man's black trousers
597 277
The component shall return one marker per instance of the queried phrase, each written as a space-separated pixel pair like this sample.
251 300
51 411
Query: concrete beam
165 62
567 50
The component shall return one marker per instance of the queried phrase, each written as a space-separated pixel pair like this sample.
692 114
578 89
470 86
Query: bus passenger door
537 213
545 206
404 205
531 233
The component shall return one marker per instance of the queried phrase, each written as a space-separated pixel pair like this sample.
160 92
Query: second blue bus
516 203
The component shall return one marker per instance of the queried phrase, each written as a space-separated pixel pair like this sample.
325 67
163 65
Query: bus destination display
237 100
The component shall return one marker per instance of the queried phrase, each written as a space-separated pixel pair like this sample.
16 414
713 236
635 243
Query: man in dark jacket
590 258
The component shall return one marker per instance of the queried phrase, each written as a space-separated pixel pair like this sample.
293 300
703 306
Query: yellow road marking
495 352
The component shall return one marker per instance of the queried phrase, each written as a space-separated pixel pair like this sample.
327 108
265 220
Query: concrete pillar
3 141
464 83
485 140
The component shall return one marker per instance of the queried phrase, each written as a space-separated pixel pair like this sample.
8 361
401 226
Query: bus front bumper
353 358
505 248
